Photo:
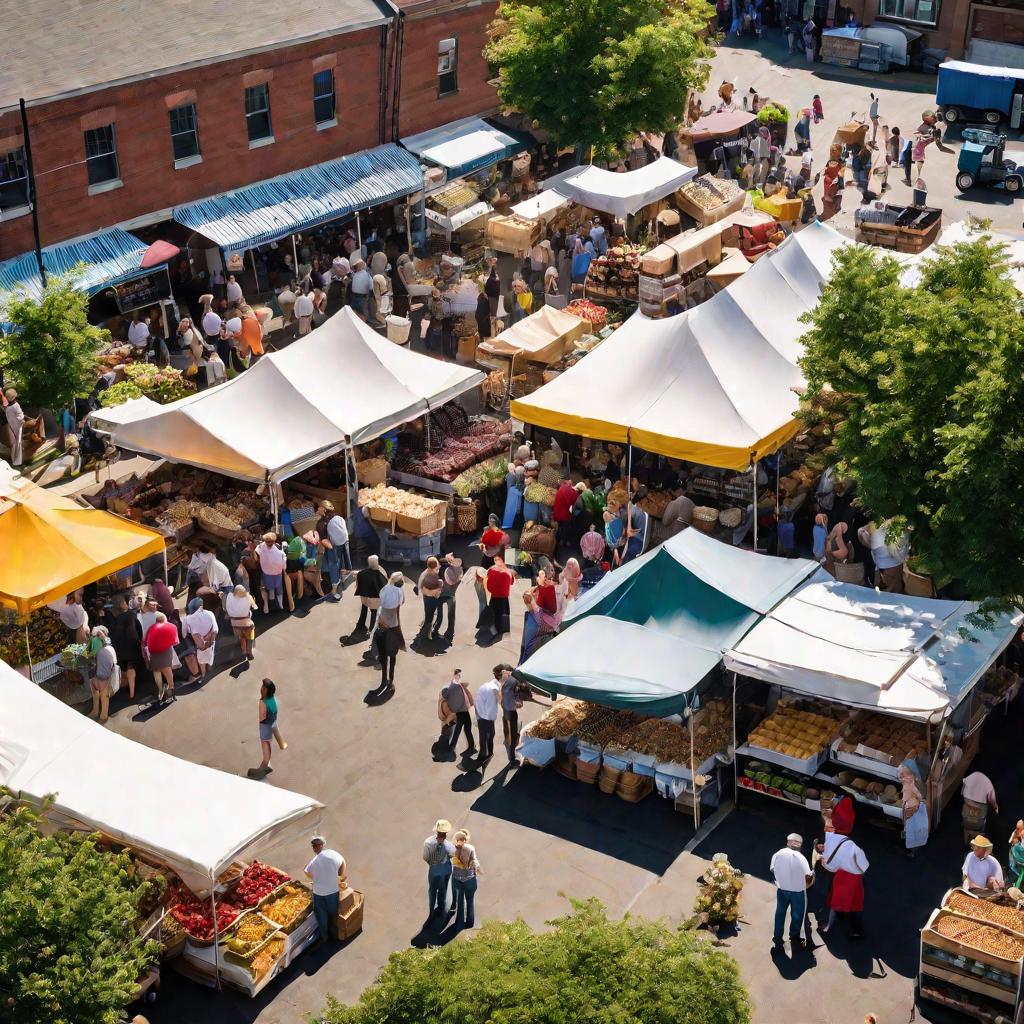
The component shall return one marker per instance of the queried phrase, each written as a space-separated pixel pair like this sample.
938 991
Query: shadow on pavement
649 835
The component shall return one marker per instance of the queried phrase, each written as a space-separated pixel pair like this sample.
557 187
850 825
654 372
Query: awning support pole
408 230
693 776
933 785
295 258
778 510
166 579
273 501
735 759
216 935
359 233
754 473
255 273
352 489
28 648
629 496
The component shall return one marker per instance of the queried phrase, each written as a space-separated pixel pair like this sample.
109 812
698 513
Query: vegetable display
479 477
47 636
708 193
258 880
587 310
475 441
249 934
394 499
291 905
197 917
265 959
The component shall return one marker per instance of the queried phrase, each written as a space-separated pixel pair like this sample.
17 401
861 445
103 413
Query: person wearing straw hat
438 853
324 869
793 877
981 870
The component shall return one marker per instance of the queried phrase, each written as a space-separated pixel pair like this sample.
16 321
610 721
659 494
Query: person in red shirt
159 643
492 543
565 500
499 585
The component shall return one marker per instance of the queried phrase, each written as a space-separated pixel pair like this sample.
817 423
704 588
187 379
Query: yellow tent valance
51 546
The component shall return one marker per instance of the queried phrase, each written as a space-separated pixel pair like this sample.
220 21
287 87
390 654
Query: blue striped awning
462 147
269 210
110 257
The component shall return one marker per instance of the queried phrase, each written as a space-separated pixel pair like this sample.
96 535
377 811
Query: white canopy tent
716 385
541 206
541 337
195 819
908 656
623 194
342 385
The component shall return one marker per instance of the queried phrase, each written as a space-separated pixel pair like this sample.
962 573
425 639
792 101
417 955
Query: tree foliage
932 398
598 72
586 969
51 354
69 950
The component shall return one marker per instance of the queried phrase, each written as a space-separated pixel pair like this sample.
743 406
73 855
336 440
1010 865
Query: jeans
431 616
510 727
437 886
795 903
332 565
325 909
463 724
485 730
449 603
463 891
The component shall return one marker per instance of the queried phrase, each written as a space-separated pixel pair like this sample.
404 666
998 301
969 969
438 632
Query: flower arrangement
718 901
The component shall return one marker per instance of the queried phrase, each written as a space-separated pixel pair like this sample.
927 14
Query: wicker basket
549 476
849 572
608 779
917 585
634 794
587 771
705 518
730 518
538 540
205 524
466 517
565 765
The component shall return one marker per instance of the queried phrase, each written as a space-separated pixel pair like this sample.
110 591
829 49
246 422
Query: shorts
206 657
273 585
161 659
295 565
267 730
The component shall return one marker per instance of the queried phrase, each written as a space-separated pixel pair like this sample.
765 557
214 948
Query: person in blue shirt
820 535
580 262
598 237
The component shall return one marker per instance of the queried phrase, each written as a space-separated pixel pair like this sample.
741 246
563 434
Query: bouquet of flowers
718 901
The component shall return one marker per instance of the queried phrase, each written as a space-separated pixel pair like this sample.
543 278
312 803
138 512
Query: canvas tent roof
52 546
342 384
541 205
715 385
202 821
622 194
541 337
897 654
649 632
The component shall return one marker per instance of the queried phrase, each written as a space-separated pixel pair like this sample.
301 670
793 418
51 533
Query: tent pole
735 761
28 648
754 471
255 272
216 936
778 470
359 233
693 777
408 230
166 580
295 258
629 495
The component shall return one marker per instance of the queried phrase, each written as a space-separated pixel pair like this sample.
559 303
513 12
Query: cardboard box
350 920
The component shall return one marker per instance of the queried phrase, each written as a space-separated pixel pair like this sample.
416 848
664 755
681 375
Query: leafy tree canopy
586 970
598 72
51 354
931 386
69 949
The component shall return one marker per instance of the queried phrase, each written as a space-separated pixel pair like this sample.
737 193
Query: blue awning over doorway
462 147
302 200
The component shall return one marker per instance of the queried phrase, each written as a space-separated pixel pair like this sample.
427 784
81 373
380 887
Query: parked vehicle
983 162
980 94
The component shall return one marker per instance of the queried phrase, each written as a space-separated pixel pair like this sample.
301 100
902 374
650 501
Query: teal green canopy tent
651 631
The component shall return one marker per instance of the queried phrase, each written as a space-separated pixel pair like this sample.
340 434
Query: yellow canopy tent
51 546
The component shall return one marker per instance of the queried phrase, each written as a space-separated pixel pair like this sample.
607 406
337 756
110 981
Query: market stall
622 195
198 837
726 130
909 229
708 199
457 222
542 338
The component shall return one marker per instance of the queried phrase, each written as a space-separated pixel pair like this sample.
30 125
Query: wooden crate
934 938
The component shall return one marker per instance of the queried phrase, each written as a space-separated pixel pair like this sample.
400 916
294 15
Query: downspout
382 79
397 79
389 49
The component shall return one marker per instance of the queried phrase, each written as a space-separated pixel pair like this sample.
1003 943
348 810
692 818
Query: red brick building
121 134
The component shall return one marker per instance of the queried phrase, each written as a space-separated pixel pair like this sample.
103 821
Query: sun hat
982 842
443 825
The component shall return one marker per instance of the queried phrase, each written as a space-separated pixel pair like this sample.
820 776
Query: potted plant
776 118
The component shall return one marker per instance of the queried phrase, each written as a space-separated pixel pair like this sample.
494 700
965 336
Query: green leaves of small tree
52 353
69 950
586 970
932 384
598 72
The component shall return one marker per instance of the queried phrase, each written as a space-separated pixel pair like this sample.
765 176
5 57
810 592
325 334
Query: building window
924 12
323 97
101 155
447 66
184 132
257 112
13 179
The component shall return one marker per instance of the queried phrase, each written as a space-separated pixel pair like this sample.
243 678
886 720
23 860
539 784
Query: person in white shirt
340 565
848 863
201 626
15 424
486 705
360 286
326 869
981 870
238 606
272 564
304 308
233 291
211 321
793 877
438 852
138 333
979 794
888 557
286 300
74 616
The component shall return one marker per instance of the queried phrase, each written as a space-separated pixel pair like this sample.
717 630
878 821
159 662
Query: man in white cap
981 870
792 876
438 853
15 423
325 869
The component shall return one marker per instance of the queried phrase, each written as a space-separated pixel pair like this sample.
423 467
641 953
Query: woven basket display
214 529
608 779
587 771
730 518
538 540
466 517
705 518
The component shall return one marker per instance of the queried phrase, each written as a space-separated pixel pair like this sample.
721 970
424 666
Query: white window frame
261 140
190 159
327 122
104 184
448 65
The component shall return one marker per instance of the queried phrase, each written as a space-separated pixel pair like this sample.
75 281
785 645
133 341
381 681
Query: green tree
598 72
931 405
51 354
69 949
586 969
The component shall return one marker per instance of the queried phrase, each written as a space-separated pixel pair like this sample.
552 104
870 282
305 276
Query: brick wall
421 108
151 183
